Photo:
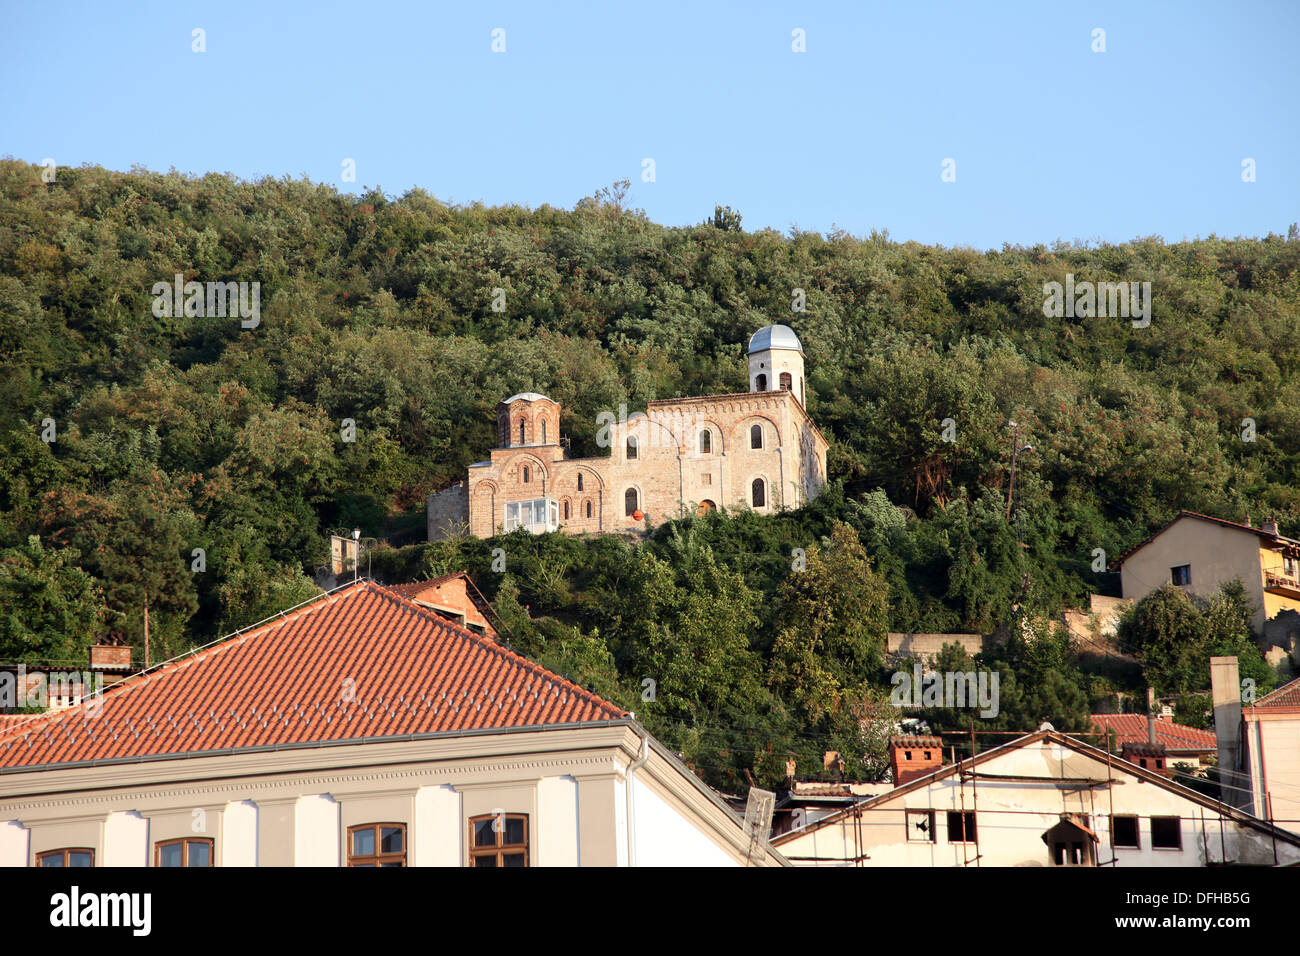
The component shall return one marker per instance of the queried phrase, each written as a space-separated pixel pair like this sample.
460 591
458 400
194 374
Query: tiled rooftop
361 662
1288 695
1132 728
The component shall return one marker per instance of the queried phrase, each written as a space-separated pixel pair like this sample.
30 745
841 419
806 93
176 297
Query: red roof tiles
361 662
1132 728
1288 695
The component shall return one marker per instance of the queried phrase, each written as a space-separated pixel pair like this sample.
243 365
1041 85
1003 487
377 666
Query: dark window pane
170 855
514 831
512 859
484 835
54 859
485 861
390 864
1166 832
1124 831
391 839
363 866
78 859
363 842
199 853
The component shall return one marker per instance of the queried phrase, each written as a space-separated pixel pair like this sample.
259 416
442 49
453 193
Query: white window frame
537 515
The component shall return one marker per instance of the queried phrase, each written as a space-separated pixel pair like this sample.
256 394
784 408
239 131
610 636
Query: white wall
556 827
316 840
1011 817
13 843
438 832
238 843
665 838
126 840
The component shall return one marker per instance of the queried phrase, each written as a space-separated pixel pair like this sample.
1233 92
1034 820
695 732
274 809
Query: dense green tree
51 611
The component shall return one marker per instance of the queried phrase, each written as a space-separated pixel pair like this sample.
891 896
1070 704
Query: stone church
757 449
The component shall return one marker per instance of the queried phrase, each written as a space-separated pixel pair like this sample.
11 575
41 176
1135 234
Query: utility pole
1016 449
356 556
146 632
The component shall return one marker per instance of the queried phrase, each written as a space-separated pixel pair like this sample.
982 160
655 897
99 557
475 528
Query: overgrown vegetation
181 433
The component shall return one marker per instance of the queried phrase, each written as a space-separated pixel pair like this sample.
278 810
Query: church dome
774 337
526 397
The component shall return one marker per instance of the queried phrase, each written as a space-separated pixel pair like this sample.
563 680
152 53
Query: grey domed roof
526 397
774 337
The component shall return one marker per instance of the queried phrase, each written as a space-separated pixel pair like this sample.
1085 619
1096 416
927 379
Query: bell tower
776 361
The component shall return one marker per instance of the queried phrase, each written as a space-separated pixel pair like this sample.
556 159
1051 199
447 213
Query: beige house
360 729
1044 799
1201 553
758 449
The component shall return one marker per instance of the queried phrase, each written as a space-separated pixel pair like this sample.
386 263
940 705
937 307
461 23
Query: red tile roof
1132 728
1288 695
359 663
415 588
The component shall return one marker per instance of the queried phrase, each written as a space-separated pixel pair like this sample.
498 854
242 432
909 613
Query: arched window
760 383
756 437
543 432
579 481
588 509
759 493
525 474
787 383
631 447
706 442
629 501
566 510
521 431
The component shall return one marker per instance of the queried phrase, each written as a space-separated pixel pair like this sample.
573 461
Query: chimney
914 756
1271 526
831 760
1225 692
790 766
1151 728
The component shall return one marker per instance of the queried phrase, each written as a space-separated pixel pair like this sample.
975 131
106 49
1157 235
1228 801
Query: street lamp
1016 450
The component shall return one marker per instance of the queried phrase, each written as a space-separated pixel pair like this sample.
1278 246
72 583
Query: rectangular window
536 515
377 844
80 856
920 826
1167 833
498 839
1181 575
1124 832
190 851
961 826
706 478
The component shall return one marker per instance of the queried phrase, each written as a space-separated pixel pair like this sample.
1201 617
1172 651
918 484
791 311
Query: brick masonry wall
669 471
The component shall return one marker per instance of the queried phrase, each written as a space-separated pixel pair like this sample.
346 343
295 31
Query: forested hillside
176 433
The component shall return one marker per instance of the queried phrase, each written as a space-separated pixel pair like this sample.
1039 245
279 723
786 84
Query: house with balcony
1200 553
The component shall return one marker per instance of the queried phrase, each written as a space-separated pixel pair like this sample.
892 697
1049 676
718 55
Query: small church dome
526 397
774 337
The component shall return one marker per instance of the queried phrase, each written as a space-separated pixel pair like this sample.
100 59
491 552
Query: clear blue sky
1051 140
